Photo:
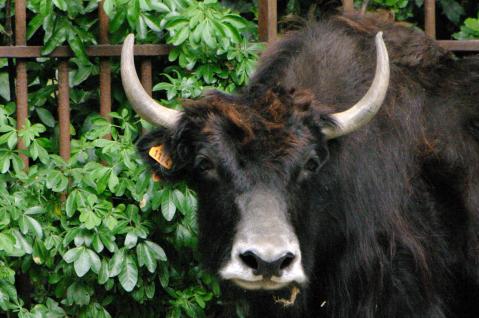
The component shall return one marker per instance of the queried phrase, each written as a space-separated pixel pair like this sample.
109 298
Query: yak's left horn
364 110
142 103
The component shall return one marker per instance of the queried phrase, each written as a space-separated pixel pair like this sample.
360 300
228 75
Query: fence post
267 20
64 109
105 67
21 86
348 6
146 75
430 18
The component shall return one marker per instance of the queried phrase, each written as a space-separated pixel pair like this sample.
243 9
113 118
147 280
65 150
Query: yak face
255 161
252 171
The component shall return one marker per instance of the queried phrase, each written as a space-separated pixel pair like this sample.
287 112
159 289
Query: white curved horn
364 110
142 103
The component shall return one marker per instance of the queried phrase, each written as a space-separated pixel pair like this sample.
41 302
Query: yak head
259 163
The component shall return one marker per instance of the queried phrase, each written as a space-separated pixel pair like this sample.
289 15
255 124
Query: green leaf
145 257
58 37
453 10
72 254
164 275
113 181
129 274
156 250
40 253
71 205
12 141
78 293
56 181
235 20
34 24
90 219
82 263
108 239
7 242
103 274
152 22
97 244
35 210
45 116
22 242
180 37
130 240
35 225
78 48
4 86
133 12
116 262
150 290
94 261
7 138
60 4
232 33
117 20
109 6
168 207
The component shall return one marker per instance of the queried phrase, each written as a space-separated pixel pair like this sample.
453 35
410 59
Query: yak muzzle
265 253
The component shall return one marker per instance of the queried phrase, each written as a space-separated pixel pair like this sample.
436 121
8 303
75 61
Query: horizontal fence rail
102 50
267 24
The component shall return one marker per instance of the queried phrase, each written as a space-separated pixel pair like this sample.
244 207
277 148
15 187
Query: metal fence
22 52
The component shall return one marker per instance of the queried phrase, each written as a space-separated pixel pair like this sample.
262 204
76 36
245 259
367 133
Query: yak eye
312 164
203 164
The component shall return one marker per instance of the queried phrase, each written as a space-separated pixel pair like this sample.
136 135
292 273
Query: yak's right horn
142 103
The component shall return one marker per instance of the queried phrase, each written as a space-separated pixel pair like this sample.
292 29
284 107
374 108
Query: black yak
343 181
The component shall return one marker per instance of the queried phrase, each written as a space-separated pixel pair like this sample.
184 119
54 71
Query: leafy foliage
470 29
85 236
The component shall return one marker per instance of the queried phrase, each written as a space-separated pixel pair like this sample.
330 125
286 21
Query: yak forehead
241 137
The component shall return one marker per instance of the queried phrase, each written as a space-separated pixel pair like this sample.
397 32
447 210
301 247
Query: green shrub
96 236
469 30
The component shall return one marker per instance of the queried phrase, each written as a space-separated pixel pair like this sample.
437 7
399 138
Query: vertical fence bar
64 109
105 67
267 20
430 18
146 75
21 86
348 6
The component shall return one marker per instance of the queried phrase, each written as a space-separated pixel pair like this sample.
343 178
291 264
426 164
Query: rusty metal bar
348 6
103 24
105 68
64 109
105 88
462 45
146 75
106 50
430 18
267 20
22 80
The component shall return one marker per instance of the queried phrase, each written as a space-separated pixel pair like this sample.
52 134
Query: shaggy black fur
388 221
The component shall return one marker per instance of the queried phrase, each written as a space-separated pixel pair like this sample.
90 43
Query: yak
342 181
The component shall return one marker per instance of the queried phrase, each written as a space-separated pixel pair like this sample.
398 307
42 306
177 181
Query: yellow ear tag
161 157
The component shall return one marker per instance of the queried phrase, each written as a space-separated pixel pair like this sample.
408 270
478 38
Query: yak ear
168 152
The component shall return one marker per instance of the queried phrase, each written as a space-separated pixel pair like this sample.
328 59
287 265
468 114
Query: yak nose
267 268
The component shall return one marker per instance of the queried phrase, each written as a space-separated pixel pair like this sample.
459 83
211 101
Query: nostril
286 260
249 258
